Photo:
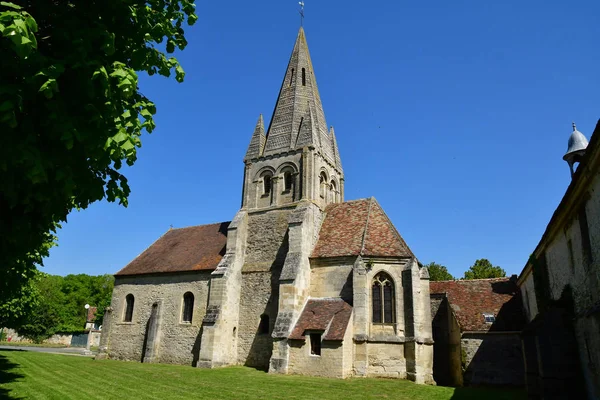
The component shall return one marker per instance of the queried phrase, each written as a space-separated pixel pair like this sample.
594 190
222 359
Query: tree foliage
438 272
71 112
483 269
51 304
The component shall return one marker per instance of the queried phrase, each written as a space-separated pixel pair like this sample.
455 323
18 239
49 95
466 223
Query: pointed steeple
298 101
257 143
306 131
334 146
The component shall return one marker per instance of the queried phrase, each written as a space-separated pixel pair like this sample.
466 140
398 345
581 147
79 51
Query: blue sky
453 114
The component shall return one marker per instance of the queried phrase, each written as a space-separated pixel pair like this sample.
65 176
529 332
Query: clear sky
454 115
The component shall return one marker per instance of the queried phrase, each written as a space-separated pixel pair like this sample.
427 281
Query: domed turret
577 145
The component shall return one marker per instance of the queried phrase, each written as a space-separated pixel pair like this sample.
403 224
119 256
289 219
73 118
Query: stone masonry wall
492 359
258 297
386 360
180 342
329 364
266 248
332 281
573 268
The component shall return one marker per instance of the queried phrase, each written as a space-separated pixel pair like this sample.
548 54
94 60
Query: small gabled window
292 77
315 344
188 307
303 77
489 318
128 315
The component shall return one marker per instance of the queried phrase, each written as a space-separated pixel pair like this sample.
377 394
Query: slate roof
359 227
179 250
470 299
328 315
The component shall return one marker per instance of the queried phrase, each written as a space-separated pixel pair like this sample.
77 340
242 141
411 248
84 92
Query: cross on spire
301 11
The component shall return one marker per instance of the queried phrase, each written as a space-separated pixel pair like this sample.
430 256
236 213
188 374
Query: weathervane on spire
301 12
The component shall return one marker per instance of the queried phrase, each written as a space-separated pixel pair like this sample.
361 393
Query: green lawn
23 344
29 375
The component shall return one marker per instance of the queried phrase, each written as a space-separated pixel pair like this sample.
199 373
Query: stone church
300 281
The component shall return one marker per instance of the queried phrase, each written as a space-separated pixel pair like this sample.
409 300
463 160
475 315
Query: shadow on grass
7 375
489 393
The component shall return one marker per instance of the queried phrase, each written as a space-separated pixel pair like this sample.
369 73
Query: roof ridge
394 230
198 226
364 238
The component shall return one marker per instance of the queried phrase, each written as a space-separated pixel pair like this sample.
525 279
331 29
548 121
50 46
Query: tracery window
382 298
188 307
128 315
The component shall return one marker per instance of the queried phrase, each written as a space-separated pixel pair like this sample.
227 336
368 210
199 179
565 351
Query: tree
71 112
15 310
52 304
483 269
438 272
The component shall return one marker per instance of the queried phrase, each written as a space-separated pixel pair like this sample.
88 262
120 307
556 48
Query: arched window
188 307
287 180
263 326
303 77
267 184
322 184
333 190
128 315
292 77
383 299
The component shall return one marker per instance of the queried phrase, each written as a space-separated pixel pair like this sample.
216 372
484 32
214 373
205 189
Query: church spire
257 143
298 104
336 152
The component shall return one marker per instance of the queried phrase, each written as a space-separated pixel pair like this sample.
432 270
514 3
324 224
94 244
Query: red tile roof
328 315
470 299
178 250
359 227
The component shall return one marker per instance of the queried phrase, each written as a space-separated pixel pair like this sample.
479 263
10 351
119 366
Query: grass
27 344
30 375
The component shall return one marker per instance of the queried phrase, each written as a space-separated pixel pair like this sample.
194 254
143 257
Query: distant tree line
51 304
481 269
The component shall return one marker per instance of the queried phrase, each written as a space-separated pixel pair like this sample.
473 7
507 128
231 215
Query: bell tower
297 158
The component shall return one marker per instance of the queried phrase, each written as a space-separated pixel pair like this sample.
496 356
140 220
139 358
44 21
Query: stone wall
266 249
179 342
258 296
528 297
336 359
332 363
569 265
332 281
386 360
492 359
447 367
65 339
